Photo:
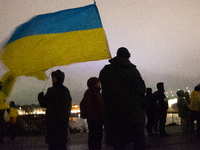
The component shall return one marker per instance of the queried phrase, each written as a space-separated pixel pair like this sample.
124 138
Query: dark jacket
151 104
122 89
162 104
57 102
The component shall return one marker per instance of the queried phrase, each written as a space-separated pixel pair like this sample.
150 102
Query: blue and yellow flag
55 39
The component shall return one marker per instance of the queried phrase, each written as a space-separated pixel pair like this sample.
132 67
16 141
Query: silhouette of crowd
116 102
8 117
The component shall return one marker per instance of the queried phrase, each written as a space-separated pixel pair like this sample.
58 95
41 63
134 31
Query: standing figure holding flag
57 102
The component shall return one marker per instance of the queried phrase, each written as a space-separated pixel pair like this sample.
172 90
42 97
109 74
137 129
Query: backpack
83 108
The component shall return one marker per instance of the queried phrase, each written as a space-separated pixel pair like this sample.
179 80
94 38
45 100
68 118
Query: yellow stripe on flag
41 52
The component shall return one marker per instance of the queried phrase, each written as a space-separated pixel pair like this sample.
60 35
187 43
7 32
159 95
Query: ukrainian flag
55 39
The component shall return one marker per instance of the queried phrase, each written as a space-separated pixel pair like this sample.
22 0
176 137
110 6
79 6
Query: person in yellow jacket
3 125
13 118
194 108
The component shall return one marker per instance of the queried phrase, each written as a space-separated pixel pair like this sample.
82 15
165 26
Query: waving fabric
55 39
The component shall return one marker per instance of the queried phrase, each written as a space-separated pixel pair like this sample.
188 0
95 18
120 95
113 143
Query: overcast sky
162 36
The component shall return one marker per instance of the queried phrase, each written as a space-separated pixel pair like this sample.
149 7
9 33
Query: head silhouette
123 53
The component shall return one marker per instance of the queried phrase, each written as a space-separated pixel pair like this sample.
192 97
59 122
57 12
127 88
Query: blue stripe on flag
82 18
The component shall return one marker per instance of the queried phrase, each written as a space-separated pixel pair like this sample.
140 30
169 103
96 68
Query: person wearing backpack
92 107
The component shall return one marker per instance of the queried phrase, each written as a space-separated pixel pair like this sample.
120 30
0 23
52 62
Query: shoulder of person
106 68
131 64
64 87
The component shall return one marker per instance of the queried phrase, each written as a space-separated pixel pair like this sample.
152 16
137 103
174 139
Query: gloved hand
40 95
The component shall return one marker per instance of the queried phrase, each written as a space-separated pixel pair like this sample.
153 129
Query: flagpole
47 80
94 1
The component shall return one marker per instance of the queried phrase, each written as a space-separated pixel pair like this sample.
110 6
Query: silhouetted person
95 118
183 110
57 102
187 97
194 108
122 89
3 125
13 119
144 108
161 108
150 111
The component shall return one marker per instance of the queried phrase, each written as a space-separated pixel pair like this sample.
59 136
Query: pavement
176 141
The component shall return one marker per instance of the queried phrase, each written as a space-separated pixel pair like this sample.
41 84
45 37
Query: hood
59 75
114 60
180 93
91 83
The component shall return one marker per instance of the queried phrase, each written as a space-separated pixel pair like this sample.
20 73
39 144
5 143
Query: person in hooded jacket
95 118
183 110
57 102
122 89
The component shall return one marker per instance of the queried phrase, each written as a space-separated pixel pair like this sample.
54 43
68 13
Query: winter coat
122 89
93 98
161 103
194 101
151 104
182 104
57 102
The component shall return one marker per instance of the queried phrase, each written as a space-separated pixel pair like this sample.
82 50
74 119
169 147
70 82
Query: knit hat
123 53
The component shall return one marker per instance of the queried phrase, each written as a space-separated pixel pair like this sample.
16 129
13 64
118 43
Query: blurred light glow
172 101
